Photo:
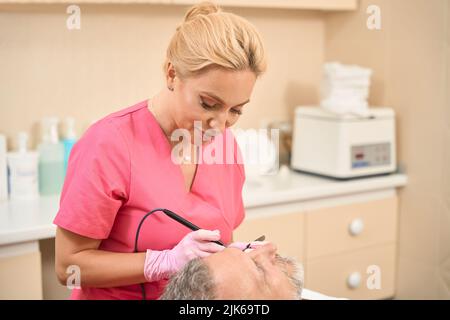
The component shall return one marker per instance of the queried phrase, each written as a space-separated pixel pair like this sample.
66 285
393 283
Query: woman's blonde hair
210 37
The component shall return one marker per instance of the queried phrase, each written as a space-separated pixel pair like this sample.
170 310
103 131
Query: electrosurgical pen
186 223
262 238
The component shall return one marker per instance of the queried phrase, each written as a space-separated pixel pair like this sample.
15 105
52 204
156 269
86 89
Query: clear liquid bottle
70 138
51 158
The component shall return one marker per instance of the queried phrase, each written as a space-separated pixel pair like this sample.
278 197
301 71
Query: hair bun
202 8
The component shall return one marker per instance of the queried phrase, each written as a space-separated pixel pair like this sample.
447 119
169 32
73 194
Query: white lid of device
317 112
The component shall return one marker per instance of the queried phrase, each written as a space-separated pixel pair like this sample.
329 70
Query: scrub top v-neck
121 169
168 151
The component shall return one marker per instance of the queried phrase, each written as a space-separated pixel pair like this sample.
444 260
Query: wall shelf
325 5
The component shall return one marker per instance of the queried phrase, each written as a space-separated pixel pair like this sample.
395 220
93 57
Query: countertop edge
27 235
335 189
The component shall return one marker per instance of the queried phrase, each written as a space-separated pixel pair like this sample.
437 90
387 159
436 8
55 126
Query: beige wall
115 60
410 57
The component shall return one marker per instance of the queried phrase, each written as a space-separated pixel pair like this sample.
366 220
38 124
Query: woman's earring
170 88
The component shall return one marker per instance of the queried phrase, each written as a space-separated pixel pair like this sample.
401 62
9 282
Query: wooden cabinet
286 4
332 5
20 272
343 247
350 227
367 273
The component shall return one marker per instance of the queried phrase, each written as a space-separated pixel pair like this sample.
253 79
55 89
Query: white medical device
344 146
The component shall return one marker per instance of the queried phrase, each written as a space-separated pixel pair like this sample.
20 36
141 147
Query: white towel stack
345 88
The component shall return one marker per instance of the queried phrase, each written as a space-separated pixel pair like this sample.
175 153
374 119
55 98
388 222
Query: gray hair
193 282
296 277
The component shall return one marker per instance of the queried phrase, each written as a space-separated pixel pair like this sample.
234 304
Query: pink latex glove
242 245
196 244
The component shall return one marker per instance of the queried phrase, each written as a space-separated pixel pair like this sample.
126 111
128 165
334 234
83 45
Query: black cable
144 296
175 217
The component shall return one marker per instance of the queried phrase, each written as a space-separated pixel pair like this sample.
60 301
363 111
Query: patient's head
233 274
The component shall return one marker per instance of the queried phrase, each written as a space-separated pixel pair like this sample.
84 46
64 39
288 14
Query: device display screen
364 156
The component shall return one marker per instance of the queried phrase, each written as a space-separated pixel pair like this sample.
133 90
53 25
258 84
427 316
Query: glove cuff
158 265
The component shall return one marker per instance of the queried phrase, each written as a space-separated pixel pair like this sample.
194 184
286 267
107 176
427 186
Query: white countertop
290 186
32 220
28 220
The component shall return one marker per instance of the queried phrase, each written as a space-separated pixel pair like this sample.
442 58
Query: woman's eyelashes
207 106
217 106
238 112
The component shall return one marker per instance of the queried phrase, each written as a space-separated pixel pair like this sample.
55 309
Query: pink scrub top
120 170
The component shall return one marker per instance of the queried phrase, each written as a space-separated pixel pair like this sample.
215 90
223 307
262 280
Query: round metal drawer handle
356 227
354 280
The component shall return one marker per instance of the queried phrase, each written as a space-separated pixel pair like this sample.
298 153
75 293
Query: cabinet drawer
20 277
347 275
285 231
350 227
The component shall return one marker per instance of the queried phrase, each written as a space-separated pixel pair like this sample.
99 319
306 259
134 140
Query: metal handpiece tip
262 238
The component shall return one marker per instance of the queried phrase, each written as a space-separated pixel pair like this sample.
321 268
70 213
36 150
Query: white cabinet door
20 272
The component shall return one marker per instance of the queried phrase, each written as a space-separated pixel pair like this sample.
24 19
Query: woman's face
215 98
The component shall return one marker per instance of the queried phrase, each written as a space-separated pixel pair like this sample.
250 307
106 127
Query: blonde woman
124 167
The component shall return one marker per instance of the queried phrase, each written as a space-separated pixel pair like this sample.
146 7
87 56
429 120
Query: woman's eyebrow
212 95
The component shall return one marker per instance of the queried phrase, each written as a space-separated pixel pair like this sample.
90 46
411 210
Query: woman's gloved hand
197 244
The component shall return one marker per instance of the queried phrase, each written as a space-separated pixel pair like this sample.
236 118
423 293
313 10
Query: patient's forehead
231 269
227 254
222 261
228 261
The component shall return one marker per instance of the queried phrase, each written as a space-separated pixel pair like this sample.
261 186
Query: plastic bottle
3 170
23 171
51 158
69 140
